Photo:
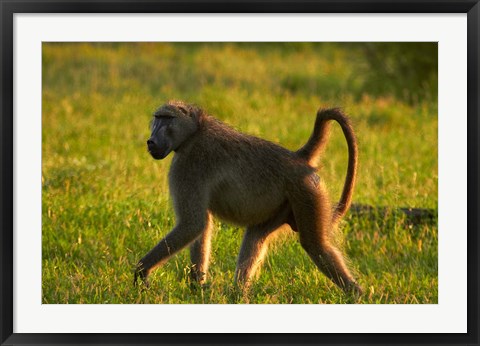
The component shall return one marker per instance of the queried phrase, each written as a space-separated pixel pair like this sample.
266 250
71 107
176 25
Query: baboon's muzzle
156 151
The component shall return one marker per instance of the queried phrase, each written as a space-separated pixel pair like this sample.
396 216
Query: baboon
250 182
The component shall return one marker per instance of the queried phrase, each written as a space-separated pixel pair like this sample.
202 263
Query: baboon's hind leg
313 217
200 253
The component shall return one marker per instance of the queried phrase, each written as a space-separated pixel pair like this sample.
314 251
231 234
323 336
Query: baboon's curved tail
316 144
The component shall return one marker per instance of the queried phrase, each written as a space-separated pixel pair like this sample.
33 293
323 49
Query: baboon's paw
198 286
243 286
354 289
198 276
140 277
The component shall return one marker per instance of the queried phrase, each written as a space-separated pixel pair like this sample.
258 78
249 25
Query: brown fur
250 182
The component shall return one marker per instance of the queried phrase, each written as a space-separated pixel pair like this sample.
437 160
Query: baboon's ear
183 110
195 112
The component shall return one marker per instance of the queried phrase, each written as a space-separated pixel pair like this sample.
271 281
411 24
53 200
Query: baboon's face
171 126
160 143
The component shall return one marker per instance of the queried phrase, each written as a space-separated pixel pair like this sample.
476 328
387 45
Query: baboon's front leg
200 253
181 236
255 244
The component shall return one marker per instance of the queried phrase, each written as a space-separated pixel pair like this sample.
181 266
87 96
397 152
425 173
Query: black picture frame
9 8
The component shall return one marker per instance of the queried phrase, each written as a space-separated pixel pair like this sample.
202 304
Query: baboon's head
172 125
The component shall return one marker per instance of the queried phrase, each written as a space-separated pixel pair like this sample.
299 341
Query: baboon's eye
162 121
166 120
162 116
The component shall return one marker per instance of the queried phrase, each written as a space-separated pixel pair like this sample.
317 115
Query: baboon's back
250 179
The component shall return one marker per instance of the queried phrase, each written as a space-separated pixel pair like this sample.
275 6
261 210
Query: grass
105 202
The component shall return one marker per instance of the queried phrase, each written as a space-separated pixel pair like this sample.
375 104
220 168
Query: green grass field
105 201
